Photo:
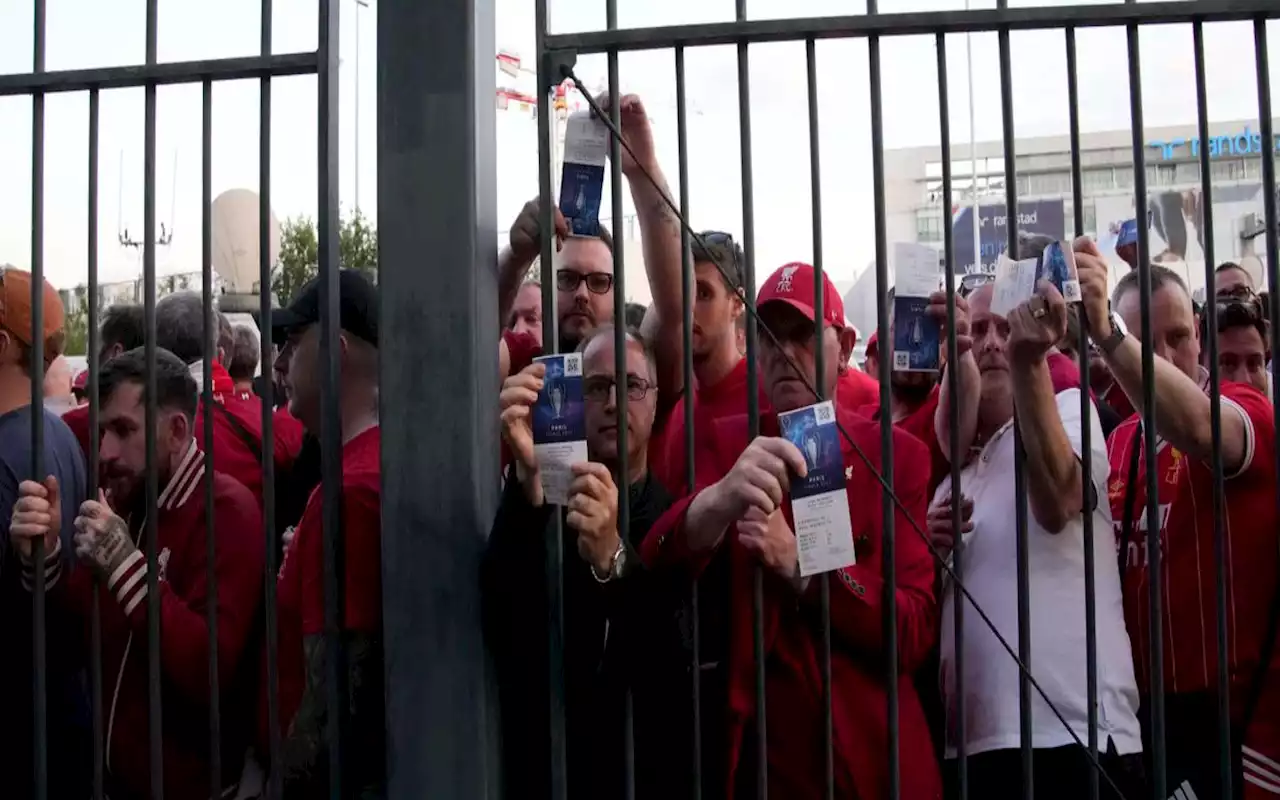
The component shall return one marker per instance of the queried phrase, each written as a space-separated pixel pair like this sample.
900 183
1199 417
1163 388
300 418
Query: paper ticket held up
916 335
586 149
819 500
1015 283
559 430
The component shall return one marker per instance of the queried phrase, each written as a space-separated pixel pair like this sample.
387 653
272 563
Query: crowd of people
700 585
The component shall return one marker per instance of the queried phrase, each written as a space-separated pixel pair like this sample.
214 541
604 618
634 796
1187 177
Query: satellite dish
235 240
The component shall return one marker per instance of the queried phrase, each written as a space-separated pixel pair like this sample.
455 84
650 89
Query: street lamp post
359 5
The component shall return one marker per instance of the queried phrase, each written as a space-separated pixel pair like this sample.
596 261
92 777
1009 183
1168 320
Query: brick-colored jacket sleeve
858 591
184 629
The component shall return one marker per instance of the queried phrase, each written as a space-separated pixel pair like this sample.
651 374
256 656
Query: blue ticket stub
586 148
916 336
819 500
559 427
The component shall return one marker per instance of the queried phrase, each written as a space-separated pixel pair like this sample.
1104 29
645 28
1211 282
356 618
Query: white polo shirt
1056 563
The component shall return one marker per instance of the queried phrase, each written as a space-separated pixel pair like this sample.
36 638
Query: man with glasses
743 517
621 626
584 265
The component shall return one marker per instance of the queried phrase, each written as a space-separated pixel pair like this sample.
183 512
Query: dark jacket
627 634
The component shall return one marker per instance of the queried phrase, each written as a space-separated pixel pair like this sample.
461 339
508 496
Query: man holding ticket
560 418
1022 373
798 501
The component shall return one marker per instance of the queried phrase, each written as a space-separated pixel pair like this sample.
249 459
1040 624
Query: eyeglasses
597 282
974 281
599 388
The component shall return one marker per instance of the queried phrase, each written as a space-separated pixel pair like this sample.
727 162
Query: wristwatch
617 563
1109 344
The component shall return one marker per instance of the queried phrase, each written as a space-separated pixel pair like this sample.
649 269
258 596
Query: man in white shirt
1021 371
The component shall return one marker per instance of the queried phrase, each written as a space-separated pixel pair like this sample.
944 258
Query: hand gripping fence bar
568 73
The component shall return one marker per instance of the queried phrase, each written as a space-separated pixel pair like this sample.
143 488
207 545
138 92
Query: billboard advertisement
1176 228
1044 217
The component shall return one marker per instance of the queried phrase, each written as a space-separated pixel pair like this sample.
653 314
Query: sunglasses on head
717 246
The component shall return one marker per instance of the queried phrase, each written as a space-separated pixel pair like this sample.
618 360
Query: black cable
568 73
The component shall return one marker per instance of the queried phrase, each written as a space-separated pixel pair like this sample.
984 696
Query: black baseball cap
357 304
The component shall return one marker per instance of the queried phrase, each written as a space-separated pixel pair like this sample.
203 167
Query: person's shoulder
1250 399
230 493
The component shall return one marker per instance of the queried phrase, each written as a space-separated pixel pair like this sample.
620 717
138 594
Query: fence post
439 341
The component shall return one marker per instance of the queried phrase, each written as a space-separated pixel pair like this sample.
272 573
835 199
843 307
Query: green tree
76 325
300 252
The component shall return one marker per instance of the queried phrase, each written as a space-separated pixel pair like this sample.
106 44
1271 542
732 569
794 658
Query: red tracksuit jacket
184 635
858 688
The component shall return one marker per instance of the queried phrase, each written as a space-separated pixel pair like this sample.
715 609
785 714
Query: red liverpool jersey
1188 568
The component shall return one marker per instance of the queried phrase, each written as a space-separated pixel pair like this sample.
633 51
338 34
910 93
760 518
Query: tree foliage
76 325
300 252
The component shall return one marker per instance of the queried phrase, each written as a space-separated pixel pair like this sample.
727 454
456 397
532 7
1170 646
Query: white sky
85 33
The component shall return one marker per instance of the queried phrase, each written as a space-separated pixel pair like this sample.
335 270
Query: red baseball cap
793 284
873 343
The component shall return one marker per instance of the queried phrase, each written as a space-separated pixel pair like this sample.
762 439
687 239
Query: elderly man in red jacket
743 516
110 543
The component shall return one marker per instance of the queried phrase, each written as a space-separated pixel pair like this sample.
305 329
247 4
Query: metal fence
556 57
436 190
323 63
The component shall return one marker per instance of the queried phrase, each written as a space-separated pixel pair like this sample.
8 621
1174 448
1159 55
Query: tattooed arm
304 754
660 239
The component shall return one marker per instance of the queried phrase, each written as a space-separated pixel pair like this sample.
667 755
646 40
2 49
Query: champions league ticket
819 502
916 335
559 430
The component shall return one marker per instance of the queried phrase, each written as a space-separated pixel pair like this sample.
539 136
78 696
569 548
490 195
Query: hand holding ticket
559 431
819 500
916 334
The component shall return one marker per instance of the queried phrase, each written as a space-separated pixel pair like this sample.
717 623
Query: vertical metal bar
554 550
1267 124
1024 580
753 392
620 354
439 492
819 371
40 721
95 345
953 413
151 531
272 646
210 533
1225 776
686 299
889 560
1086 430
331 428
1154 555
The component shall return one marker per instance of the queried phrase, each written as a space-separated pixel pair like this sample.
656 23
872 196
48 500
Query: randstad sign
1245 143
